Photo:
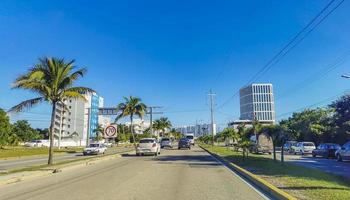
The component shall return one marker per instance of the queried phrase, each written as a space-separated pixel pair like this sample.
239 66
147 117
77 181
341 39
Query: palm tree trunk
51 134
132 131
274 152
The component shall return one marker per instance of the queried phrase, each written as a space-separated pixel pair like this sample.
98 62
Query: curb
265 186
51 170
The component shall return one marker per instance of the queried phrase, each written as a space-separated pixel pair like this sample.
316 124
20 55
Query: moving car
166 142
303 148
190 137
325 150
184 143
344 152
148 146
288 146
95 149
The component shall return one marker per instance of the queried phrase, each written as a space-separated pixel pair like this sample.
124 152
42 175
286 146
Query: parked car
303 148
344 152
190 137
148 146
95 149
166 142
288 146
326 150
34 143
263 145
184 143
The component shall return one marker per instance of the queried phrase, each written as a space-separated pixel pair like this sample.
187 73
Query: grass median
20 151
301 182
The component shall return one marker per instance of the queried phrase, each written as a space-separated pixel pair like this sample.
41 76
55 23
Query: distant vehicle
34 143
264 144
288 146
148 146
190 137
108 144
326 150
344 152
303 148
184 143
95 149
166 142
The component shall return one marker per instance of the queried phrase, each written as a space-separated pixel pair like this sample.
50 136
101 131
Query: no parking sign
110 131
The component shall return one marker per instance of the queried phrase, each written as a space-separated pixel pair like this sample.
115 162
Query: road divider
262 184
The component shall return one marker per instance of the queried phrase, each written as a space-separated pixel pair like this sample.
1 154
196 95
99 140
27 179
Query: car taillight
154 145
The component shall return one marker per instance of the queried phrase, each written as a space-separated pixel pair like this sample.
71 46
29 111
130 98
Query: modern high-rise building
78 120
257 102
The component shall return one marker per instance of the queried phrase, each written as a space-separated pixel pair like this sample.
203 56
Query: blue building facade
93 121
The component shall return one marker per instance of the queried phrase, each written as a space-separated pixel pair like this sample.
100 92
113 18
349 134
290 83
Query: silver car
166 142
344 152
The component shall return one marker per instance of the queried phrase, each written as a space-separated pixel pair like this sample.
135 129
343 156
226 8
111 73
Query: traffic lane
175 174
23 162
326 165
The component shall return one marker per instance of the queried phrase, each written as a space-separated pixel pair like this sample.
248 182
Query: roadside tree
52 79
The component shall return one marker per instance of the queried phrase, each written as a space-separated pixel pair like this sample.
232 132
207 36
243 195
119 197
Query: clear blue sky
170 53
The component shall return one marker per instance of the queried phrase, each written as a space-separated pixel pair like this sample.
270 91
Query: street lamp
345 76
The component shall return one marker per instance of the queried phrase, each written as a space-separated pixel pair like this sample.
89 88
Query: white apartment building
257 102
77 122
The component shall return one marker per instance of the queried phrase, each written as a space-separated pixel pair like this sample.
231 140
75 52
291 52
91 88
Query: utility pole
151 112
211 96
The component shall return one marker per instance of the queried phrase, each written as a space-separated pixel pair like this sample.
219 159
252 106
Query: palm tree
52 79
99 129
131 107
165 124
157 126
274 132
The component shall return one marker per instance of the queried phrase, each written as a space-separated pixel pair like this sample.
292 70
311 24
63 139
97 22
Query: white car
303 148
95 149
148 146
34 143
190 137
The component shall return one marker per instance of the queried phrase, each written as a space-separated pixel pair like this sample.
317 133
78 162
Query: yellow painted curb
263 184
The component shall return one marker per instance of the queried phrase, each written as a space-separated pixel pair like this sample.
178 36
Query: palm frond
26 104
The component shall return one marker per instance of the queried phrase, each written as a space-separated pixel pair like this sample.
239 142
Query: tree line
18 132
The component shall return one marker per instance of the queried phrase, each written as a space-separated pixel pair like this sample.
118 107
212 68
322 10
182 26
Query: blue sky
171 53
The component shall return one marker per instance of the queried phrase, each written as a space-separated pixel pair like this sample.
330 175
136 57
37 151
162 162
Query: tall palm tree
165 124
157 126
131 107
52 79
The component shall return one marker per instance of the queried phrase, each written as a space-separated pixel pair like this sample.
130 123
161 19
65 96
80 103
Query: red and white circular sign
110 131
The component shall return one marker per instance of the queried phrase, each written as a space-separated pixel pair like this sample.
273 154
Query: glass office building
257 102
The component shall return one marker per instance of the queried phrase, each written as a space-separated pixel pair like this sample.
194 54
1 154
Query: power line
312 105
290 45
319 75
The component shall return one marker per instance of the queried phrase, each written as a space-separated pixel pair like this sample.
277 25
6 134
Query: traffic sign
110 131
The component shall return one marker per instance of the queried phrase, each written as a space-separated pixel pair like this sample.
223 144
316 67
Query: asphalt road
175 174
326 165
42 159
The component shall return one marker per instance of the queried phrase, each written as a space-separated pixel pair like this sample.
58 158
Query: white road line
250 185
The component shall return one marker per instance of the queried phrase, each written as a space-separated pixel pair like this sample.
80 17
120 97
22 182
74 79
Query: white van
190 137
